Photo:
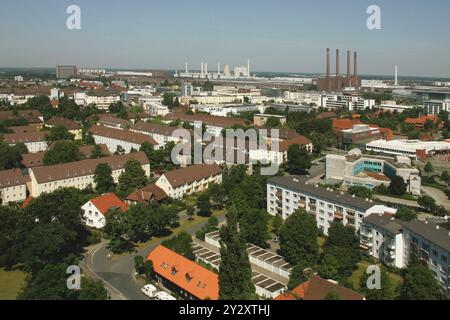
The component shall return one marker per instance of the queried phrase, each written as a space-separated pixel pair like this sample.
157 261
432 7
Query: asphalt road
117 273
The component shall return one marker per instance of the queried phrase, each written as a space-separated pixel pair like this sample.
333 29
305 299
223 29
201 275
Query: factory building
338 82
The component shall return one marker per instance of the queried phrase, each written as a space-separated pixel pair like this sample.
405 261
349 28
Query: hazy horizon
289 36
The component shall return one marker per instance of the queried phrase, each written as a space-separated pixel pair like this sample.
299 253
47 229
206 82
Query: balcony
313 208
339 216
279 194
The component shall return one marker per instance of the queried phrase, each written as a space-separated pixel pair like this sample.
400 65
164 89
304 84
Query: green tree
277 223
62 152
445 176
427 202
298 159
204 204
298 238
420 284
329 267
97 152
297 276
190 212
406 214
11 156
92 290
428 167
361 192
273 122
398 186
58 132
254 227
343 244
133 177
103 179
49 283
139 264
387 288
181 244
235 272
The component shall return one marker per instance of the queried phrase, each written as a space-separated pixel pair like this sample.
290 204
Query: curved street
117 272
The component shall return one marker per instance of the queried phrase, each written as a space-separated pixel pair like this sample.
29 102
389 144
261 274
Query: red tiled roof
192 173
317 288
122 135
107 202
344 124
186 274
148 193
27 202
25 137
68 124
300 140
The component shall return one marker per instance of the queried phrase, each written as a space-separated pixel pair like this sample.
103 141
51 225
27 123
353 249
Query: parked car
149 290
162 295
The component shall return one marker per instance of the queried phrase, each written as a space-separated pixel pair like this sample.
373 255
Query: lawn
362 267
11 283
184 226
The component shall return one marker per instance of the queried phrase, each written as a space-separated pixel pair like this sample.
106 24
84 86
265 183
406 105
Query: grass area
190 200
320 242
183 226
11 283
355 278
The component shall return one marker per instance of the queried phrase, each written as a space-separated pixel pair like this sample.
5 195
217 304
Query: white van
162 295
149 290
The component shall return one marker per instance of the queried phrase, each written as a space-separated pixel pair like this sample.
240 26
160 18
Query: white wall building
80 174
95 210
413 149
13 186
189 180
287 194
394 242
34 141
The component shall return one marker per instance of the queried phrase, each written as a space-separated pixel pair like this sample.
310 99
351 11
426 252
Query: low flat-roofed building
413 149
357 169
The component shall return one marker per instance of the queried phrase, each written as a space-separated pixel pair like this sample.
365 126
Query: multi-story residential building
95 210
356 169
33 117
111 121
287 194
34 141
80 174
394 242
157 109
189 180
116 139
13 186
160 133
102 98
413 149
72 126
304 97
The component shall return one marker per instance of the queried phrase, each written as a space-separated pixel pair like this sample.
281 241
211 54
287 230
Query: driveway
438 195
117 273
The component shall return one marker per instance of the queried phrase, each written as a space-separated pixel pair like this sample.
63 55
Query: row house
34 141
13 186
160 133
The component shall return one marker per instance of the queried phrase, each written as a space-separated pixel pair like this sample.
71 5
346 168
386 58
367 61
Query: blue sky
278 35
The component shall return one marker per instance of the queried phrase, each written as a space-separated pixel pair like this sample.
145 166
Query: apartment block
287 194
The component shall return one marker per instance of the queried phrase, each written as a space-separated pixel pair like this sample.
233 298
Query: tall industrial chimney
202 69
218 68
186 67
355 64
348 63
328 62
396 75
337 62
248 67
206 68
